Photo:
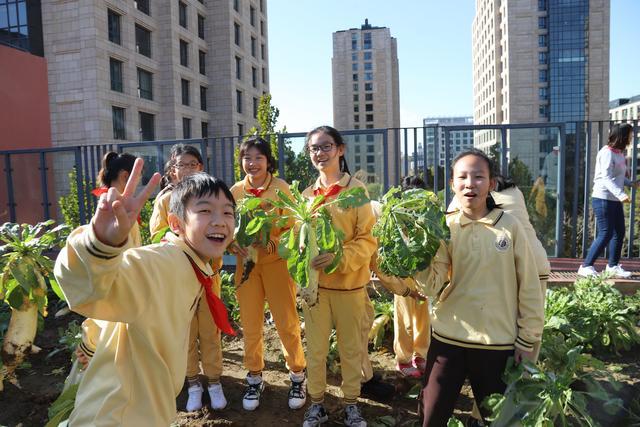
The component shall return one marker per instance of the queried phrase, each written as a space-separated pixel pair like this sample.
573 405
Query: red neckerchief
103 190
332 190
99 191
258 191
216 306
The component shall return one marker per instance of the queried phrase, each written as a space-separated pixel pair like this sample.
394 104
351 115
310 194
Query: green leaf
53 283
160 234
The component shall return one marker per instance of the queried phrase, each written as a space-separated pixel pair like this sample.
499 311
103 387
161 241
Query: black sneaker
376 389
251 398
315 415
297 393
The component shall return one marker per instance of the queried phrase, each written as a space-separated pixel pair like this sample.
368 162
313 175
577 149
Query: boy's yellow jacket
486 283
358 244
147 297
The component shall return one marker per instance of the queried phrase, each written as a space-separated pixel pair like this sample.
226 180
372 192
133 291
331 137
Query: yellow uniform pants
271 282
411 328
204 341
367 323
344 311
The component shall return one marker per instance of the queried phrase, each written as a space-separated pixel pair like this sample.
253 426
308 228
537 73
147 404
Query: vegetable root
18 341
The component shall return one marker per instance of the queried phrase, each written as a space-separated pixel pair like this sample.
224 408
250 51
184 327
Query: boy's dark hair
112 164
413 181
263 147
619 136
198 185
180 149
337 138
491 204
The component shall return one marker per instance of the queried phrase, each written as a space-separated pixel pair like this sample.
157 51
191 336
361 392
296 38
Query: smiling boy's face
208 225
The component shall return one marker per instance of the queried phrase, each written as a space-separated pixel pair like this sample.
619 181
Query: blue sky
434 53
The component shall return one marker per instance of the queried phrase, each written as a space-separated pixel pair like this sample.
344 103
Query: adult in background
607 198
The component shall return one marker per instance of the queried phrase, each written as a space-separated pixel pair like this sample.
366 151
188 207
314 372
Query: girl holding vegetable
340 302
267 281
487 299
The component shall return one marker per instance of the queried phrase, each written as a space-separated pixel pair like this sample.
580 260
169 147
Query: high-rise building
21 25
366 94
153 70
460 139
539 61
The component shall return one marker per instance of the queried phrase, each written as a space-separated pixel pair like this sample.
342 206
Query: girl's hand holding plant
322 261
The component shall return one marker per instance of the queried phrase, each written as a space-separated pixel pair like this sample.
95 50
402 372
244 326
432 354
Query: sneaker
297 391
218 401
315 415
194 402
587 271
408 370
376 389
255 387
420 364
618 271
352 417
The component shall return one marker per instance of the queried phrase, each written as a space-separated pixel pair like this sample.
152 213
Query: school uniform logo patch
502 243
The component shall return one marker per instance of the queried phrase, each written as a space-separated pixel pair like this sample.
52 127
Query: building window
201 26
145 84
369 117
203 98
255 107
542 40
262 28
355 77
356 108
354 66
368 97
253 47
542 22
368 107
239 101
236 33
369 127
367 56
115 69
143 6
356 118
182 14
542 76
371 159
204 129
143 41
114 26
236 5
264 75
371 169
147 126
240 129
186 128
368 66
542 58
354 41
366 41
544 111
543 93
368 86
252 16
355 87
184 85
254 76
263 52
118 117
184 53
542 5
368 76
357 148
202 62
355 98
238 68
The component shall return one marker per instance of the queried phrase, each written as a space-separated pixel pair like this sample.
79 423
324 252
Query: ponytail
112 164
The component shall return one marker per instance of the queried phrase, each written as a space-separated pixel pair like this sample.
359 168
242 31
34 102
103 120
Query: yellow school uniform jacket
146 297
512 201
358 244
486 283
158 220
239 191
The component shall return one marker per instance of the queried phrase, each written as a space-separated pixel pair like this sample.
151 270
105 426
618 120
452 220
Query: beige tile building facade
366 95
538 61
123 71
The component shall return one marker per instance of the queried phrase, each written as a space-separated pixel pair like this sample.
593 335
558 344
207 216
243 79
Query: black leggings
447 367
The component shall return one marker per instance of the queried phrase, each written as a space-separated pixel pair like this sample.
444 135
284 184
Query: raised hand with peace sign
117 213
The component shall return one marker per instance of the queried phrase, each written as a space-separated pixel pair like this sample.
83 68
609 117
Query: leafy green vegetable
409 231
63 406
254 227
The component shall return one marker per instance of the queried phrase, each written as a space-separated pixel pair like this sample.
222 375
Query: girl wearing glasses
341 300
268 280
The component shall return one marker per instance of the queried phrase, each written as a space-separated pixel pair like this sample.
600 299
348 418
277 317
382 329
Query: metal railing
389 153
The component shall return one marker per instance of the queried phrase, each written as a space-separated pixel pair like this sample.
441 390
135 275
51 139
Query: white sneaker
251 398
618 272
194 403
218 401
297 391
352 417
587 271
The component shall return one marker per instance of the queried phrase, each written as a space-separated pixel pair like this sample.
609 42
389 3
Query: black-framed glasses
325 148
188 165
